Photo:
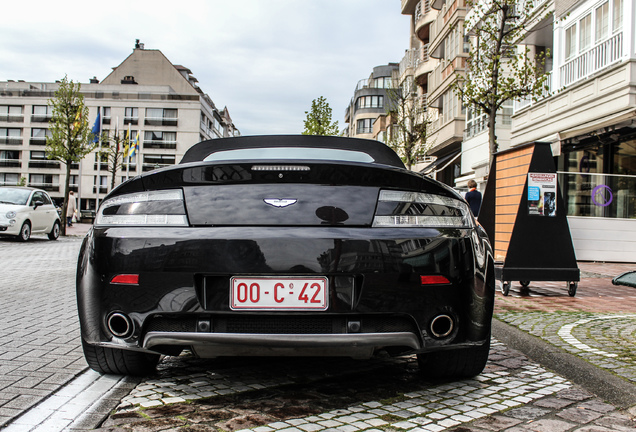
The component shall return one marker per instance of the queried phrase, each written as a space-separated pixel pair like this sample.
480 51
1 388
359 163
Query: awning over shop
609 120
441 163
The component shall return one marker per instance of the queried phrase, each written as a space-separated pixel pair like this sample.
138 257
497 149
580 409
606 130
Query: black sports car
286 245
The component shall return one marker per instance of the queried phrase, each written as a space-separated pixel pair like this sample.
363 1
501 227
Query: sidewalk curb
611 388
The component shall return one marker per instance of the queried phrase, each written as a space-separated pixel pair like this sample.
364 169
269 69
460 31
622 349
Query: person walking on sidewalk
473 197
71 209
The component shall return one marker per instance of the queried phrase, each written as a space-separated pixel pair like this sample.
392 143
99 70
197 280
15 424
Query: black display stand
531 244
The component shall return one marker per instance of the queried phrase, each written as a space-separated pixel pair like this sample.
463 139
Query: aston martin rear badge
276 202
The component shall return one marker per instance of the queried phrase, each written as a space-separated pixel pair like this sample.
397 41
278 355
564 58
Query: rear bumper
383 269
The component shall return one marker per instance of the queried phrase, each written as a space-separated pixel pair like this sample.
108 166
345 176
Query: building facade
145 94
589 116
369 104
437 54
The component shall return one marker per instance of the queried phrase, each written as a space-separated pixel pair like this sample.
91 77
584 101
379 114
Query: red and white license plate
279 293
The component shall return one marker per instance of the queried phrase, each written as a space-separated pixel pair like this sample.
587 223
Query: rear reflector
434 280
126 279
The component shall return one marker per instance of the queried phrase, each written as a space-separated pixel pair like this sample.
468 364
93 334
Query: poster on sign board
542 193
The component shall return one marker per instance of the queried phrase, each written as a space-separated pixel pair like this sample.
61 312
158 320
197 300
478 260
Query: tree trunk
492 138
67 187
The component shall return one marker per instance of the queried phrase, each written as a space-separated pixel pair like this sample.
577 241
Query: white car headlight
417 209
11 215
152 208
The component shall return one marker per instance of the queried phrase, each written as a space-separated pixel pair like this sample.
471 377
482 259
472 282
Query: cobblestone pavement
41 363
39 341
308 395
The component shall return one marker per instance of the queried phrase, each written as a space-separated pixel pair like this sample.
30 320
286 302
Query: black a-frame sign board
524 215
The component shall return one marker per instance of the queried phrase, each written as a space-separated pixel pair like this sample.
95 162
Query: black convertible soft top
377 150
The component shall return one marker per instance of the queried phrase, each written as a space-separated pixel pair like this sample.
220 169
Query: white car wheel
25 232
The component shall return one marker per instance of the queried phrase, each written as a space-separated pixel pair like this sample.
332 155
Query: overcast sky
266 60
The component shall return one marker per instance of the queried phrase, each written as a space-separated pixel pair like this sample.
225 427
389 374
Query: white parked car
25 211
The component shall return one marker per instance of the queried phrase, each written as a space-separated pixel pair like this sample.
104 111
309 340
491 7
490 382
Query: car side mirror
37 203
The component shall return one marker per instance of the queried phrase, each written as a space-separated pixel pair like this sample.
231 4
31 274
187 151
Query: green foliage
23 181
71 138
498 69
409 122
318 120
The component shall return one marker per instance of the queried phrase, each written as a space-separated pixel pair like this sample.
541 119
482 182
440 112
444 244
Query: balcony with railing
160 144
11 140
10 163
161 121
593 60
44 163
38 141
12 118
130 120
408 61
153 166
50 187
526 102
41 118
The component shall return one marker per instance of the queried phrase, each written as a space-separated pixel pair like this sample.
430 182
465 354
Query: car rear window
289 153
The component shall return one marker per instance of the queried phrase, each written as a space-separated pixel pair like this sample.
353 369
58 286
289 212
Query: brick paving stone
40 328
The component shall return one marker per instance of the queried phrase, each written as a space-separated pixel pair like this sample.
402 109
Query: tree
71 138
114 151
318 120
409 121
497 69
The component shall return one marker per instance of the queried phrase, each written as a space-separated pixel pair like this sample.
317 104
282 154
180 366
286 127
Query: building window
449 106
38 136
9 179
38 159
10 158
161 117
106 115
152 162
585 33
11 113
370 102
383 82
159 139
41 113
131 116
618 15
101 182
364 126
48 182
570 42
11 136
602 22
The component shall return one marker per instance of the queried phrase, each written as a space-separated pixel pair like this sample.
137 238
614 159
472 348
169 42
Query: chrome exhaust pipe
442 326
120 324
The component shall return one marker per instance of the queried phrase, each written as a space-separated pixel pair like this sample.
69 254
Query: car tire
460 363
55 231
25 232
118 361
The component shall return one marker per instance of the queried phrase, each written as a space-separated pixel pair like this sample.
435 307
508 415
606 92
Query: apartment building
437 53
589 117
369 104
146 93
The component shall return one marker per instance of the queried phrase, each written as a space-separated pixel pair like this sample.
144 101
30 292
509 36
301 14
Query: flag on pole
126 146
97 127
134 146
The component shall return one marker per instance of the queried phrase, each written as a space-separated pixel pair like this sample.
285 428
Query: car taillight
417 209
152 208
